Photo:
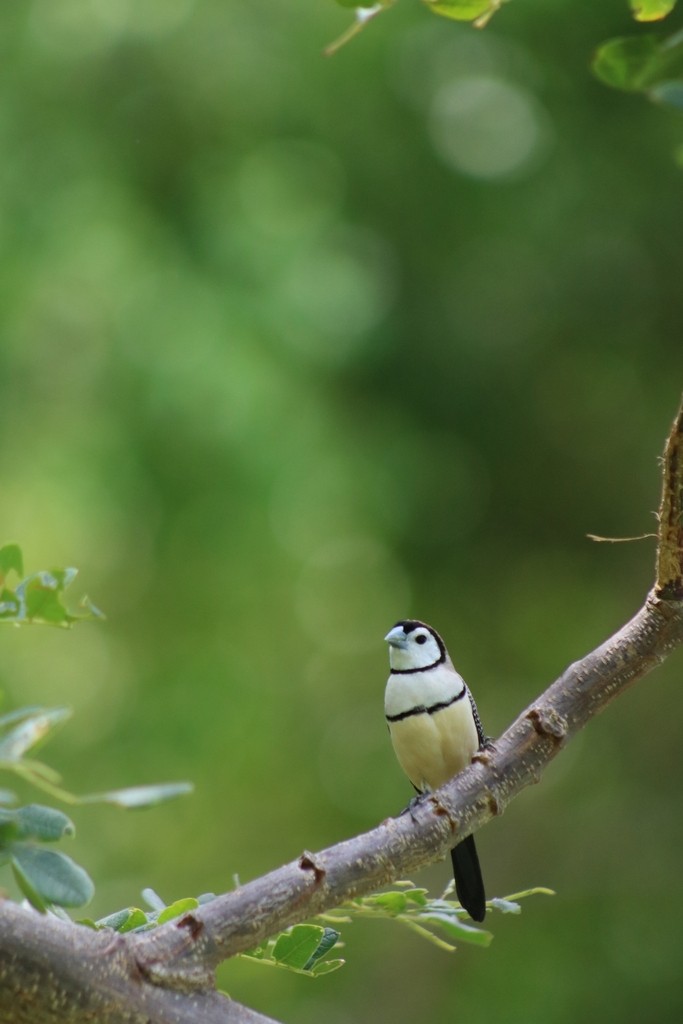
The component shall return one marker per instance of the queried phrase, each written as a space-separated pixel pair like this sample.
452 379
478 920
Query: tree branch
52 972
169 967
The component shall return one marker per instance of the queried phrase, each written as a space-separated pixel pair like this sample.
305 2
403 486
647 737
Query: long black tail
469 884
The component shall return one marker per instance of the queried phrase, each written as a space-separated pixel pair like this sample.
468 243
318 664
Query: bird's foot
414 803
483 755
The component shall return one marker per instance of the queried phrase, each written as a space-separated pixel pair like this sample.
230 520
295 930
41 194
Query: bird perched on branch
435 730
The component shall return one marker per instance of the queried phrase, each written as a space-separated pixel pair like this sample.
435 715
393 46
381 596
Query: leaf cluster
38 598
135 919
49 879
649 64
440 921
46 877
304 948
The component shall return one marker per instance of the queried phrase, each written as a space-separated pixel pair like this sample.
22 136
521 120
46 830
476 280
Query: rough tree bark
51 971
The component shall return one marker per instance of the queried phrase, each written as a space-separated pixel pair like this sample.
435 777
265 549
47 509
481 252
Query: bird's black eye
421 638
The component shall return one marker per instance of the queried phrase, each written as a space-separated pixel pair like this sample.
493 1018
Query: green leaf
46 824
140 796
34 726
651 10
11 561
153 900
465 10
40 595
125 920
50 875
30 891
10 609
34 822
136 919
456 929
38 599
329 938
9 830
326 967
418 896
637 63
505 906
296 947
177 909
538 890
115 920
19 714
393 902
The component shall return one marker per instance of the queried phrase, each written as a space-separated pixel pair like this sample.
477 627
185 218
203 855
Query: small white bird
435 730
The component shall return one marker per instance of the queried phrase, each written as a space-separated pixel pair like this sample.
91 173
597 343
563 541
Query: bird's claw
414 802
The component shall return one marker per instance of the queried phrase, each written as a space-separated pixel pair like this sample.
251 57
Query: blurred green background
293 348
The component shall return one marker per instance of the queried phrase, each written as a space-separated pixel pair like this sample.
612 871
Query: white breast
406 691
431 748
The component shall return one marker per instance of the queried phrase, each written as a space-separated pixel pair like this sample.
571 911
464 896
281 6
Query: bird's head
413 646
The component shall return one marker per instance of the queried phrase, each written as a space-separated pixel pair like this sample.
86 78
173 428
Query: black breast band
422 709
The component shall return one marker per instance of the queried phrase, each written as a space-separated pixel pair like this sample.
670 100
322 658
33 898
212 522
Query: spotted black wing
477 721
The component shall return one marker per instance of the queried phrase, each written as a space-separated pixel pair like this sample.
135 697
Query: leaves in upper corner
647 64
651 10
477 11
49 879
38 597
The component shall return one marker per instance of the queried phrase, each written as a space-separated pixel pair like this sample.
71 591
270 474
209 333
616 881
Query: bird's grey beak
397 638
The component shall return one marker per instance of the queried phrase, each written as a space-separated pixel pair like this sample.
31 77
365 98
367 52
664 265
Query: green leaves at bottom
429 918
45 876
301 949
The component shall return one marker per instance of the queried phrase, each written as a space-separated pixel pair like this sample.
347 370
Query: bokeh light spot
337 292
487 127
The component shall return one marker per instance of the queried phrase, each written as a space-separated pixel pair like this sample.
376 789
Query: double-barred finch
435 730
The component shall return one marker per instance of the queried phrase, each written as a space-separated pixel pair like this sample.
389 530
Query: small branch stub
547 722
307 862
